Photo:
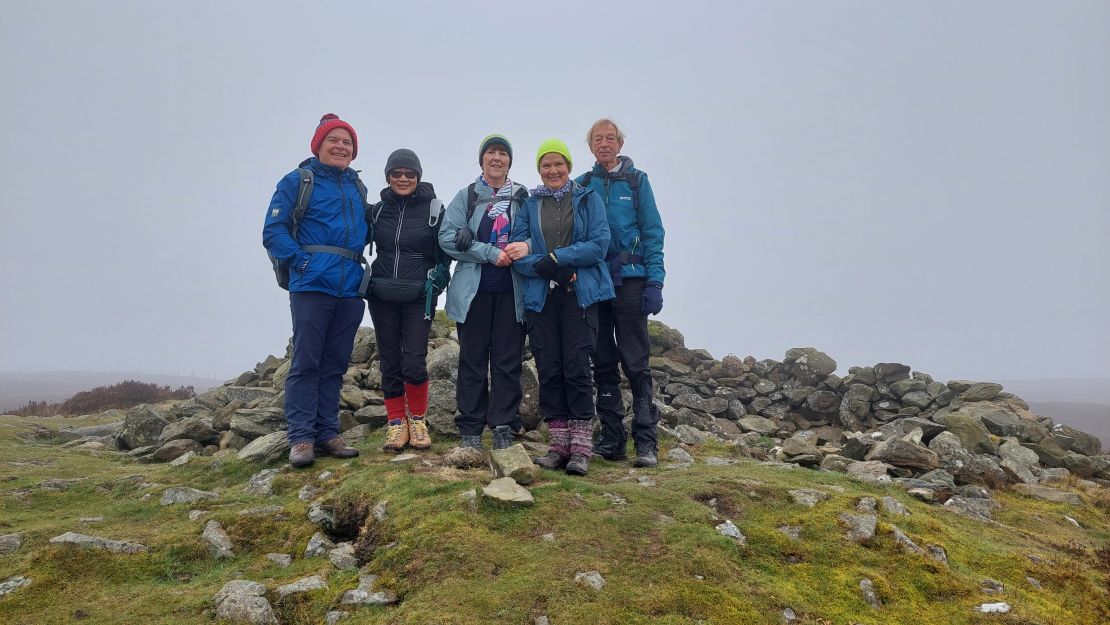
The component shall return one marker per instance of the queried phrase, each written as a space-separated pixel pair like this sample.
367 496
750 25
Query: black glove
546 267
564 275
464 238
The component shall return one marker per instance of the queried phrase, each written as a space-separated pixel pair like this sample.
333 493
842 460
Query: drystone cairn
882 422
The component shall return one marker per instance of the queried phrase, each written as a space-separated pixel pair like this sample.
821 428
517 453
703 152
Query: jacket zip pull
397 240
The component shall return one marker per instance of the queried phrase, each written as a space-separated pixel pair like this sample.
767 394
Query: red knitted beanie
329 123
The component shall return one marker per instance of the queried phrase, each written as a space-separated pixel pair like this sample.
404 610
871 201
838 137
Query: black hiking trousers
623 340
402 334
562 337
490 340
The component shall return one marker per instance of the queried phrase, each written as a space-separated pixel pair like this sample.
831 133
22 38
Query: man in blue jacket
635 260
323 286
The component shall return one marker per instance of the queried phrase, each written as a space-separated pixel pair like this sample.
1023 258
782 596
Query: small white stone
994 608
593 579
307 584
729 529
281 559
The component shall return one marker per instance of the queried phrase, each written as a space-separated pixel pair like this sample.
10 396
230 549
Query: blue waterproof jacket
335 216
586 251
468 271
635 230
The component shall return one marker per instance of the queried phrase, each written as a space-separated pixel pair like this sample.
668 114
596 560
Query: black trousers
402 335
490 340
563 336
623 338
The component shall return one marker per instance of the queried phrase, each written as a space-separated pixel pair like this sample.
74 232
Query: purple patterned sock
581 437
560 436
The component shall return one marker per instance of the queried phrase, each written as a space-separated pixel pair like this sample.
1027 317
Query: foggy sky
926 183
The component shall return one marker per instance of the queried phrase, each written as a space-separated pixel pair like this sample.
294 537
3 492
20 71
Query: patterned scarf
546 191
503 196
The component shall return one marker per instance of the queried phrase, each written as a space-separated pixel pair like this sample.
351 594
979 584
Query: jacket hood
424 191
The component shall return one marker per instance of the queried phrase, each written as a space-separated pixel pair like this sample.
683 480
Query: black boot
610 411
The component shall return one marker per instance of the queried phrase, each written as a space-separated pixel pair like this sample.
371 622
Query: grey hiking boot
553 461
578 464
474 441
502 437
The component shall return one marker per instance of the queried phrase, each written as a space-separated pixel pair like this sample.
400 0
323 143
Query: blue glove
653 299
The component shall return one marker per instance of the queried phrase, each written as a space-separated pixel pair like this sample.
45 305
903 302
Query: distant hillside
1092 418
18 388
1080 390
1082 403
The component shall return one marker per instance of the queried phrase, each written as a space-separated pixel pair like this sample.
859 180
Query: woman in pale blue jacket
566 278
486 298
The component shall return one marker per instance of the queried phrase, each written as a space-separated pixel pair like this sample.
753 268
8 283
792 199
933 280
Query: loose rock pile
941 440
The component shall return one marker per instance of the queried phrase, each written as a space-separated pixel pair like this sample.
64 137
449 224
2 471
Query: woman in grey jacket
485 297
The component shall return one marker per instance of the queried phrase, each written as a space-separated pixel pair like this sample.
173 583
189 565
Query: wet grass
453 561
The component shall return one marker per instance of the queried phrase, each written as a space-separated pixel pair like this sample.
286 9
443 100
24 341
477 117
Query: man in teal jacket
635 260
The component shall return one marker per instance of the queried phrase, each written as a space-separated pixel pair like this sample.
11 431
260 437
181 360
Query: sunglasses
397 174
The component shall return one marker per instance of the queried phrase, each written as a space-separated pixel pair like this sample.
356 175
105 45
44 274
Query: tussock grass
454 562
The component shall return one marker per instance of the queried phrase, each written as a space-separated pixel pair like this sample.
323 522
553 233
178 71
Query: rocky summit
788 490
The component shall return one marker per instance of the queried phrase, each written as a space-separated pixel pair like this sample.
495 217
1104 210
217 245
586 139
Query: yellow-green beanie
553 145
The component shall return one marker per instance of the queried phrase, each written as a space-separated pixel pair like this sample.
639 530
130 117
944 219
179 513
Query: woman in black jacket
405 224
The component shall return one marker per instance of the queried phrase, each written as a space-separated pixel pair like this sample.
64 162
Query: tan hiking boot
396 437
418 434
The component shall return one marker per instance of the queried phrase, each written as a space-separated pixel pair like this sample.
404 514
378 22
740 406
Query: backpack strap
304 196
633 179
338 251
439 274
471 201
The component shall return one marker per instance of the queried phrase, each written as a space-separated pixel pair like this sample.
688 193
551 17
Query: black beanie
403 159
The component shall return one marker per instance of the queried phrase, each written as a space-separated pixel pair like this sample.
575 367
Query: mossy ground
452 562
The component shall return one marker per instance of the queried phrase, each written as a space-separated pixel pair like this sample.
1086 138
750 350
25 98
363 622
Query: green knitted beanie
491 140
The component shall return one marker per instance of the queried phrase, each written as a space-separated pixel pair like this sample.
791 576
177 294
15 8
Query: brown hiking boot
418 434
301 455
396 437
336 448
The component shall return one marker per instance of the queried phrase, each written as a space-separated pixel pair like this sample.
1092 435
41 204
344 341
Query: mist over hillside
1081 390
19 387
1082 403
